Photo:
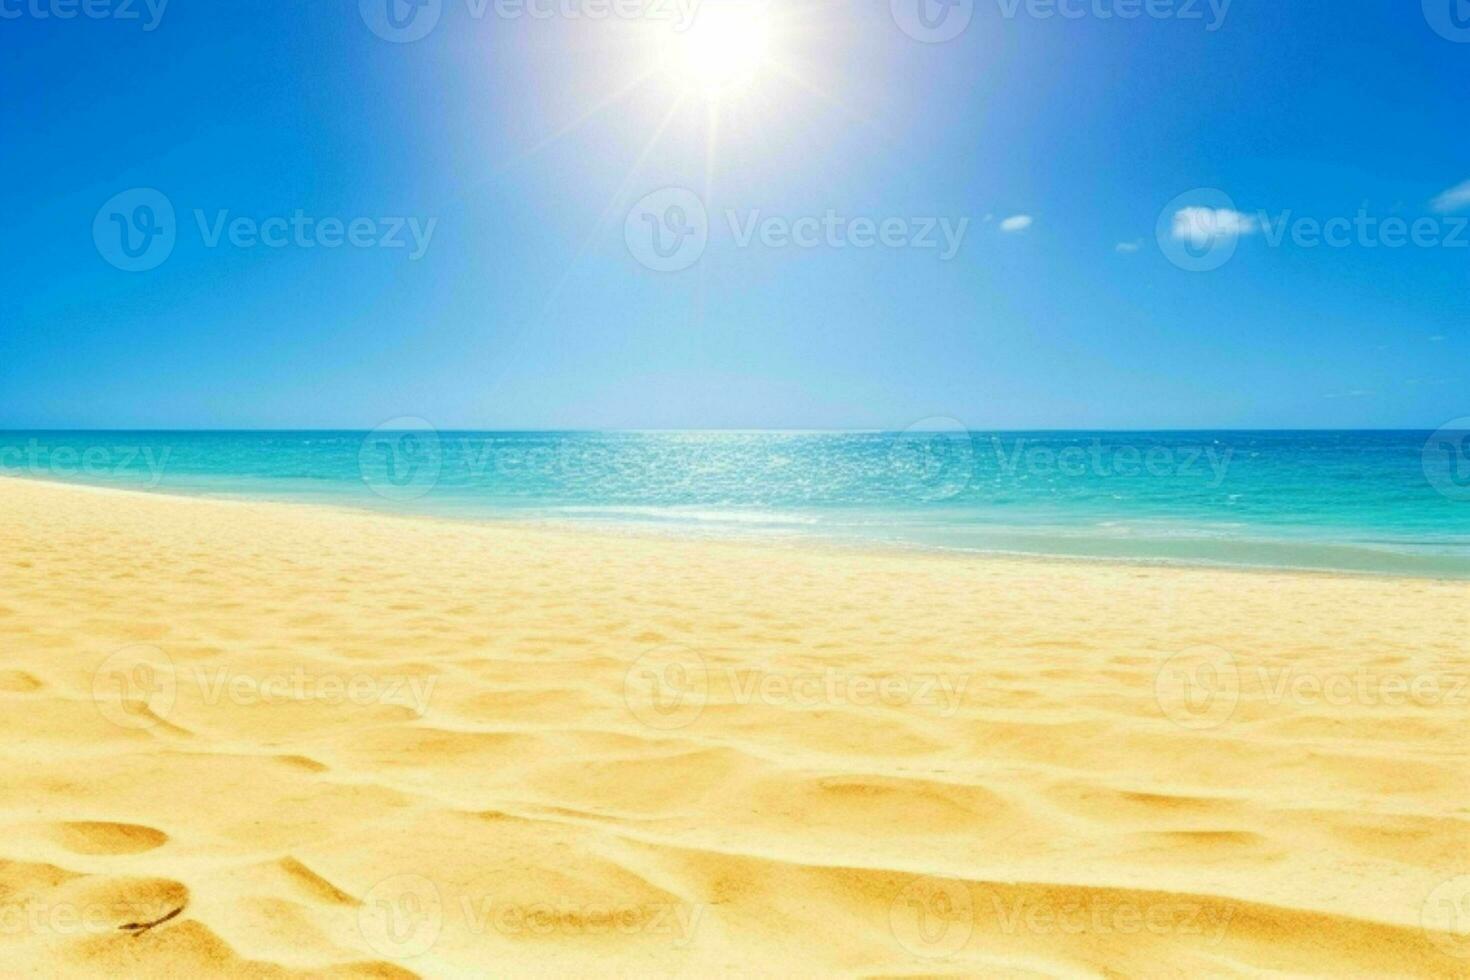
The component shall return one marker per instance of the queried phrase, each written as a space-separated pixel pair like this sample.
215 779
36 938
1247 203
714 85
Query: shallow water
1377 501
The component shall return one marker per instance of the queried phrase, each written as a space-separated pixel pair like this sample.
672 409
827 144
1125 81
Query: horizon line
728 431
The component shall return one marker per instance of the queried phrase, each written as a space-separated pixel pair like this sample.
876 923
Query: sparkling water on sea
1379 501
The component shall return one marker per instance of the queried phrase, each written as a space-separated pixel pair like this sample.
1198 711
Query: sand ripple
271 741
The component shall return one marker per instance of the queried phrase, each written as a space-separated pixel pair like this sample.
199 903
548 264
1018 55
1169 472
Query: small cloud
1016 222
1436 338
1132 246
1205 226
1354 393
1453 199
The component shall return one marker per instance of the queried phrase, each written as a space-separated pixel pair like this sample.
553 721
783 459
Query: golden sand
268 740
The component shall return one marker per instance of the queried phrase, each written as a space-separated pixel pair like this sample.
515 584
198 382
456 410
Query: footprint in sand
97 837
18 682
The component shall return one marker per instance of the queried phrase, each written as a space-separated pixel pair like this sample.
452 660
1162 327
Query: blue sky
529 307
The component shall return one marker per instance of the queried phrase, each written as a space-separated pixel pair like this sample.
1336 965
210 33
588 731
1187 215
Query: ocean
1372 501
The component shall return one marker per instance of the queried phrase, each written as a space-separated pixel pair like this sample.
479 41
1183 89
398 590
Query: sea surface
1374 501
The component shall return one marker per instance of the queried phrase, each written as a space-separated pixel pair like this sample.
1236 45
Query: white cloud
1205 226
1132 246
1453 199
1016 222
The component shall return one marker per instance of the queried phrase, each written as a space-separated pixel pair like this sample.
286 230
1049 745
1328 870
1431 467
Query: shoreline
246 729
836 543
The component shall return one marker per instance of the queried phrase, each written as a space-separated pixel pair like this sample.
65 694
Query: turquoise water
1396 502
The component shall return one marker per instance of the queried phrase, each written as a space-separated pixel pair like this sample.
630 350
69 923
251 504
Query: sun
723 53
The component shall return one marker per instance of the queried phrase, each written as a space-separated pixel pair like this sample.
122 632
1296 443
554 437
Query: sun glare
724 52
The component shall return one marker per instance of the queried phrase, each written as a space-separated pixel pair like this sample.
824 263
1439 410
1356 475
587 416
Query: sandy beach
271 740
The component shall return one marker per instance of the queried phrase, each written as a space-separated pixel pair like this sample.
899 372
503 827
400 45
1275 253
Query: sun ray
612 205
789 73
711 146
607 102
